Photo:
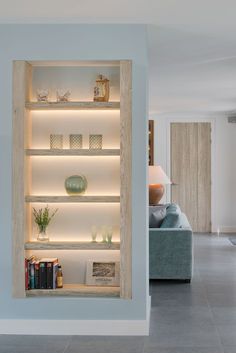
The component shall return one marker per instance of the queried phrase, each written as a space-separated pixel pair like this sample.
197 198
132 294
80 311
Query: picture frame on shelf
103 273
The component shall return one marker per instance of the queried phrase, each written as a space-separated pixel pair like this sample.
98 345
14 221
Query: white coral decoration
63 96
42 95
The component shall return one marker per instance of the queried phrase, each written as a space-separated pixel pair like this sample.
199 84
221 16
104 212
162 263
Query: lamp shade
157 175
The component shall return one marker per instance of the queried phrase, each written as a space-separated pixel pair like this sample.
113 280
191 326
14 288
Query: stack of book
41 273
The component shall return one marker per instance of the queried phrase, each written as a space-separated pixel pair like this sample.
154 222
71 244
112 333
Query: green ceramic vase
76 184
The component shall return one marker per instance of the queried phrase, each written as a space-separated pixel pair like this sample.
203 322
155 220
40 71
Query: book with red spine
26 275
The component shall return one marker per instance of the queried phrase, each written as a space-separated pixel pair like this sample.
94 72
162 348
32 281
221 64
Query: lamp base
156 193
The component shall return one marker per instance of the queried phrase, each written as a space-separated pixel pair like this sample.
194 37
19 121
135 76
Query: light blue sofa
171 250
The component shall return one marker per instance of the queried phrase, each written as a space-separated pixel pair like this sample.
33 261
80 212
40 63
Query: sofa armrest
170 253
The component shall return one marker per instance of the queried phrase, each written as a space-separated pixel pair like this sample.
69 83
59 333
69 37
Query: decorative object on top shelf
63 95
42 218
42 95
76 141
157 180
101 90
103 273
95 142
94 233
76 184
56 141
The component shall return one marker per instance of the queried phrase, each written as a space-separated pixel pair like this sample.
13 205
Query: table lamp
157 180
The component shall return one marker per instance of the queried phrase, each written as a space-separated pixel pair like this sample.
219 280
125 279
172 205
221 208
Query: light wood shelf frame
22 72
71 245
73 152
71 199
75 290
126 179
22 152
72 105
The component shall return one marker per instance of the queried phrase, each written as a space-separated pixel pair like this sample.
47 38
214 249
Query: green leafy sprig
42 217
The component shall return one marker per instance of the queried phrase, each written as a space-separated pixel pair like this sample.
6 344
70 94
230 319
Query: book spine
26 275
49 275
28 270
42 276
32 276
36 269
55 268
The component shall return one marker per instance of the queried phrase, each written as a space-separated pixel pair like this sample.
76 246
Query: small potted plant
42 218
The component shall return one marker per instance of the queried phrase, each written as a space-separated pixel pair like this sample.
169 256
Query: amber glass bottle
59 277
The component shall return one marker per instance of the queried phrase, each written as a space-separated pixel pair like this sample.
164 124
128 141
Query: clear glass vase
42 235
104 234
94 234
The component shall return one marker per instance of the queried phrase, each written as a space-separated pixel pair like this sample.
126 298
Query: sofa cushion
172 220
173 207
156 215
184 222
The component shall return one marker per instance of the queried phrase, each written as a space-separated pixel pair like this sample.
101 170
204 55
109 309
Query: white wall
223 163
225 175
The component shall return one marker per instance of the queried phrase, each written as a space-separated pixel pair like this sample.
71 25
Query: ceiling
192 44
191 70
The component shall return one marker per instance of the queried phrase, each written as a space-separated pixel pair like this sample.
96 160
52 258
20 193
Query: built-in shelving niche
39 172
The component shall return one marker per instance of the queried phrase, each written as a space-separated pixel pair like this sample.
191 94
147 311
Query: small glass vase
63 95
109 235
42 95
104 234
94 234
42 235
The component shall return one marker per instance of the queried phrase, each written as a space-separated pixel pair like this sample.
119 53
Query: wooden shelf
72 152
71 245
75 63
76 290
72 105
71 199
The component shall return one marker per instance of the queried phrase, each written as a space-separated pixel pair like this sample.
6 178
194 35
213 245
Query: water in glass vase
42 235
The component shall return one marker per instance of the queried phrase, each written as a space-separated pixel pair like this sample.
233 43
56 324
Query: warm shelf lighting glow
70 110
61 113
73 243
89 158
102 253
94 112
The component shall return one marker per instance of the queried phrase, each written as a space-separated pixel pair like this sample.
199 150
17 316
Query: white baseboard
75 327
78 327
224 229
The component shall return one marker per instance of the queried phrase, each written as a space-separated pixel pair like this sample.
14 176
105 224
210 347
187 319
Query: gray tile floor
186 318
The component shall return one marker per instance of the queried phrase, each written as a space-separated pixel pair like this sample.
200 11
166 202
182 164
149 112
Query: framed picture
106 273
151 141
